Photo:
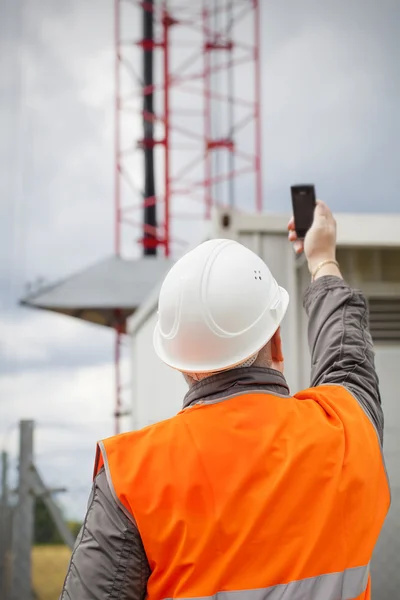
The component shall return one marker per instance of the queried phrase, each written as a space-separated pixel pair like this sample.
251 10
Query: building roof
354 230
105 293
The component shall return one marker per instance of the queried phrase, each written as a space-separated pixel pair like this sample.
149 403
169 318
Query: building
369 255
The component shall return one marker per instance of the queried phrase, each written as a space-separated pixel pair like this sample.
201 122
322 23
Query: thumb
321 209
321 212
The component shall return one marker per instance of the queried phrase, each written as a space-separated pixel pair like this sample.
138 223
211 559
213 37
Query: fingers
291 226
298 247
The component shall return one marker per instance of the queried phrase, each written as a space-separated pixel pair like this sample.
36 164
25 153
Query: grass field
49 566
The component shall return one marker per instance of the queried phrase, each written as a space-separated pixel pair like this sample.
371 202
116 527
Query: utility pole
4 479
4 523
23 530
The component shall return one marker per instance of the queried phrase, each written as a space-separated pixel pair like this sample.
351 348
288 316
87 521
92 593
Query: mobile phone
303 202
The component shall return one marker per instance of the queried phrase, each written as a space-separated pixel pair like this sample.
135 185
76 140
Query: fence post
3 523
4 479
23 526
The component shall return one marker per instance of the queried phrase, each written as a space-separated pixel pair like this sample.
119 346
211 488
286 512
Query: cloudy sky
331 91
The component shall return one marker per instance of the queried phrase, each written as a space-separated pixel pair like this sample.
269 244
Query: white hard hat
218 305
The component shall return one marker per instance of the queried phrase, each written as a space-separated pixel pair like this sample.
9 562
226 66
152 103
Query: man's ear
276 347
189 380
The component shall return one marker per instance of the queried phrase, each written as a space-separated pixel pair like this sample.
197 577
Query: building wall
157 390
386 563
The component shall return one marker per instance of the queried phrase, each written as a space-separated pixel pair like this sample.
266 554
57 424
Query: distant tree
45 529
46 532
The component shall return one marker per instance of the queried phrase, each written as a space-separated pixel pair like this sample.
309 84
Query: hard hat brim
230 361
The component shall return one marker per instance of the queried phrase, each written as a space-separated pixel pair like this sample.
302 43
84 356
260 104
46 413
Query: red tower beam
207 123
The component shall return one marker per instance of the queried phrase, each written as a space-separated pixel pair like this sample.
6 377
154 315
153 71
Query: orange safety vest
256 496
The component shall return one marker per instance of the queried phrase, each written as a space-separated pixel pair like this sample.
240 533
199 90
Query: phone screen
303 201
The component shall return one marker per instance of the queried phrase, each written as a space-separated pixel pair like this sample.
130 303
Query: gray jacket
109 560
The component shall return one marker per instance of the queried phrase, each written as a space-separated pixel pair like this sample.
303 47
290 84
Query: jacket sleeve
341 344
108 561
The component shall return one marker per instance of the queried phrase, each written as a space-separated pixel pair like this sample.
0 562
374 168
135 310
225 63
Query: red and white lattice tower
187 122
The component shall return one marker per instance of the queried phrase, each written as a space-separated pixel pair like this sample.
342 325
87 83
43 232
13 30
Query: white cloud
59 394
72 411
38 337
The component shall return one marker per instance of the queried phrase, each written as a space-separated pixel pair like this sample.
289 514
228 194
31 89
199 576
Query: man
247 493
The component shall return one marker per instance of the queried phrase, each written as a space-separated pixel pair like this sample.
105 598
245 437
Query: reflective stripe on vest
348 585
256 497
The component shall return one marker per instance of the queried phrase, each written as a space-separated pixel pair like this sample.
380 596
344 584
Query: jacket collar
237 381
